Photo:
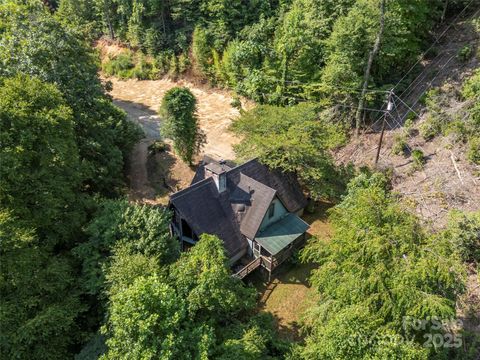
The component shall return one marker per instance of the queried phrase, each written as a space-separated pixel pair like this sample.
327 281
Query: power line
424 73
300 83
429 84
422 56
433 44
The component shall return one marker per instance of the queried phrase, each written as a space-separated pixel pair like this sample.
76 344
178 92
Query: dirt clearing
141 100
153 177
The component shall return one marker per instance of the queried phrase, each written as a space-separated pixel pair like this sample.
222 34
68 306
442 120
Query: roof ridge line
261 183
190 188
238 166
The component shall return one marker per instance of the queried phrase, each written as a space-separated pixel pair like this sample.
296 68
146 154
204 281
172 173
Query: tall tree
136 229
295 139
180 316
379 269
366 77
41 304
39 176
180 124
103 134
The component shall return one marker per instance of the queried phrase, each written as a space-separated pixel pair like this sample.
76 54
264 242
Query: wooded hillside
87 274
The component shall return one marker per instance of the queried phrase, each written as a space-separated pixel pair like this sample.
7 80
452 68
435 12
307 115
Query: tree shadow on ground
148 119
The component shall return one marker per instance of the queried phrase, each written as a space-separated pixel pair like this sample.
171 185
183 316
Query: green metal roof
282 233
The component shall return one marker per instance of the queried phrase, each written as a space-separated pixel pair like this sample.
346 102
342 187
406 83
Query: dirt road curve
153 178
141 99
137 172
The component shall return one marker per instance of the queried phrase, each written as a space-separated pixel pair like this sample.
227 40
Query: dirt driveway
152 178
141 100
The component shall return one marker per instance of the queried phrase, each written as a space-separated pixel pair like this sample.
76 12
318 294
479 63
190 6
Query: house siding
280 212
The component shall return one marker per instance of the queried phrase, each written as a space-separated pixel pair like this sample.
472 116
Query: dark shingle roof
259 199
240 209
207 211
287 187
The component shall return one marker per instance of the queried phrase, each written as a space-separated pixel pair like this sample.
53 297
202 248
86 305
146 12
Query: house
254 210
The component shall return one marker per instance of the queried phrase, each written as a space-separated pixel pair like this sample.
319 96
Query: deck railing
248 268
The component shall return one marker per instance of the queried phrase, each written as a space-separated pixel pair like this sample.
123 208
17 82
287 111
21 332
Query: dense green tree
201 52
183 315
352 38
28 33
39 176
382 263
253 339
203 278
295 139
355 333
145 322
299 41
463 230
178 110
41 305
136 229
125 266
81 15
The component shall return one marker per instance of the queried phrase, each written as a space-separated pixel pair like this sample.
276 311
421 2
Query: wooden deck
251 266
270 262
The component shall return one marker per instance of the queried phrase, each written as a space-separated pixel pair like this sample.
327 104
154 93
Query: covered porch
275 244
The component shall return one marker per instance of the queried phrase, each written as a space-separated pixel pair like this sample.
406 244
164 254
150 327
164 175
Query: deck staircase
251 266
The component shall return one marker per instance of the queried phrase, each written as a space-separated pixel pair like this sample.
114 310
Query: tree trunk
444 12
371 56
110 29
108 19
284 72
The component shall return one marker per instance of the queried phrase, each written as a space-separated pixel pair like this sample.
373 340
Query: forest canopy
87 274
271 51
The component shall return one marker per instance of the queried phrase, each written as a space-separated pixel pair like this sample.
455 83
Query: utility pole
371 56
387 113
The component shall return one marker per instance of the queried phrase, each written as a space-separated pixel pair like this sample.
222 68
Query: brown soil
141 99
433 190
109 49
447 181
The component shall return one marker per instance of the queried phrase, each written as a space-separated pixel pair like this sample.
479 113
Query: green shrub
173 69
409 124
418 159
473 153
476 24
217 67
458 129
142 69
471 88
465 53
431 127
180 122
183 63
236 103
400 145
160 64
157 146
411 117
120 65
201 51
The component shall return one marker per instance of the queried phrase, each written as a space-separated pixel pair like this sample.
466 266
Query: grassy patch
287 297
289 294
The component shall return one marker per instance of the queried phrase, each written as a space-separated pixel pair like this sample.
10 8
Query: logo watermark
437 333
